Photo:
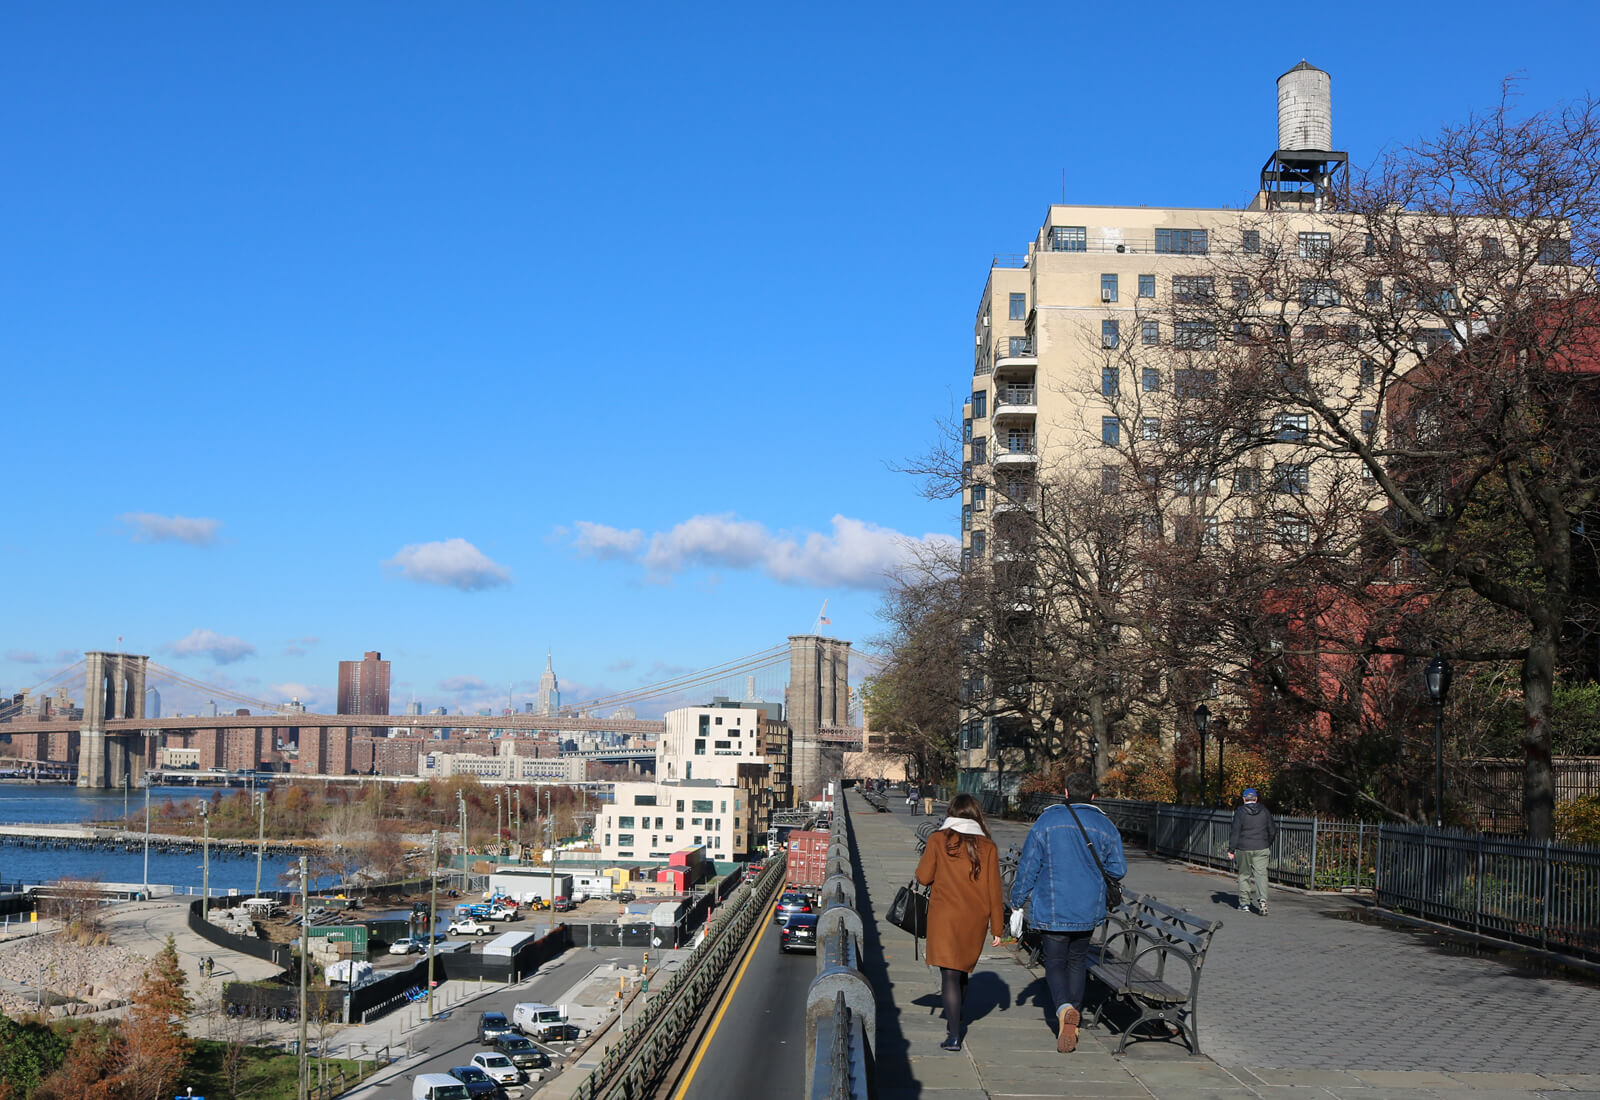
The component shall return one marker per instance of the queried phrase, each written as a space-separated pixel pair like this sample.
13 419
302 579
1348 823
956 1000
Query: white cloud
855 554
456 684
454 563
22 656
606 543
221 648
151 527
309 694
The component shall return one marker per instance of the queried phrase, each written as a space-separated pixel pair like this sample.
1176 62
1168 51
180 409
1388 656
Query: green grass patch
265 1073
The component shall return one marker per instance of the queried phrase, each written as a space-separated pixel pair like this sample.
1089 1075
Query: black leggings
954 988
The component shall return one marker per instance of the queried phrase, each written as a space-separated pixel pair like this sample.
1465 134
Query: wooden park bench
1150 959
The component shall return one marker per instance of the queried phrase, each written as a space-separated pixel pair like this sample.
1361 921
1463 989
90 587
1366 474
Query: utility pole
261 837
461 805
516 796
550 829
497 830
433 916
303 1085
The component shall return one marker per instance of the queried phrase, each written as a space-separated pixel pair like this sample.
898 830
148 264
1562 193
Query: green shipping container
354 934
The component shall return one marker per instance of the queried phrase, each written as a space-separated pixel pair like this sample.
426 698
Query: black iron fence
1542 895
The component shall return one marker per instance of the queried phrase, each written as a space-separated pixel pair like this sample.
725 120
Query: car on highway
523 1053
493 1025
405 945
789 904
469 928
799 933
478 1082
498 1067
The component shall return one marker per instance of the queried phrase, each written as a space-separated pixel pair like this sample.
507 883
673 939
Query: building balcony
1014 350
1016 401
1016 451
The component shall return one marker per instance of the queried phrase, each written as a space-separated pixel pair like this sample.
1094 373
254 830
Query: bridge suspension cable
12 710
214 692
753 662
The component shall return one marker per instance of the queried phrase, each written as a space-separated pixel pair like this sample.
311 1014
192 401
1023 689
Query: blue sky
466 331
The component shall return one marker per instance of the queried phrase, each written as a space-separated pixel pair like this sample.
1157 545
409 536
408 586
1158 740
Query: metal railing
841 1015
1519 891
1005 396
634 1065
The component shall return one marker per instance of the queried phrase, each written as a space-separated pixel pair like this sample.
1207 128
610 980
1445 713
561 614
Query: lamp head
1437 676
1202 719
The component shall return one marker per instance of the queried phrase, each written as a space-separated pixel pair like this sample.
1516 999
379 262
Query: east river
59 805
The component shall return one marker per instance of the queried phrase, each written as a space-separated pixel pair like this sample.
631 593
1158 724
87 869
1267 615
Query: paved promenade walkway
1303 1004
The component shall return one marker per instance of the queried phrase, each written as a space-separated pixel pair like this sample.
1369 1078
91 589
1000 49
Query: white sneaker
1244 907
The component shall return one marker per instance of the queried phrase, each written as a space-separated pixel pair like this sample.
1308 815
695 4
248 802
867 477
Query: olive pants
1253 865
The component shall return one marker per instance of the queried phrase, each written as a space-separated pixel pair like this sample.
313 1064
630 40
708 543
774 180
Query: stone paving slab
1299 1006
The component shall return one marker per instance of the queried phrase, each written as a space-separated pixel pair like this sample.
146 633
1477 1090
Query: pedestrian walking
1249 842
1059 879
962 866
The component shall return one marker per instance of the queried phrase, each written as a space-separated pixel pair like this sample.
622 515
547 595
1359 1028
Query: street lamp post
516 796
147 837
433 916
1202 722
461 807
498 833
550 839
302 1078
205 862
261 835
1437 675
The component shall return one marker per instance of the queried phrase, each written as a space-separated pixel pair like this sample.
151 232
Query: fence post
1312 885
1544 920
1477 905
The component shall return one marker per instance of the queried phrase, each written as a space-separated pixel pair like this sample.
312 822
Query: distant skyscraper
413 707
364 685
624 714
549 691
152 703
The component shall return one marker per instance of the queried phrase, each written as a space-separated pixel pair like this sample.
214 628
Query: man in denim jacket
1068 895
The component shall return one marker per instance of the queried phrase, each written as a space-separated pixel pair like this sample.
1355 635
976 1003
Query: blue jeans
1066 957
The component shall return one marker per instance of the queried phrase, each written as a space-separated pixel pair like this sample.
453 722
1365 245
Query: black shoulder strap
1087 841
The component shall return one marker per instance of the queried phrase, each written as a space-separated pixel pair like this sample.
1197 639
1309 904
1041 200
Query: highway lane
454 1040
759 1045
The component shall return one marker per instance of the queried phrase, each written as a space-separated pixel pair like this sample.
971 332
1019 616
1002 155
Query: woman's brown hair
964 805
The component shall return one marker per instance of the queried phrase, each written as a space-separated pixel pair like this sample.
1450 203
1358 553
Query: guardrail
841 1015
1519 891
635 1065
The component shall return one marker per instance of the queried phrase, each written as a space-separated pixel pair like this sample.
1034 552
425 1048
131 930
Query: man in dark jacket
1058 875
1249 841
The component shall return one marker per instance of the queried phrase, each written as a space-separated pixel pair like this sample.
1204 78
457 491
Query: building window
1289 428
1150 379
1369 421
1318 292
1239 287
1246 530
1108 288
980 451
1019 346
1291 477
1109 477
966 518
1194 383
1195 335
1019 307
1110 431
966 430
1369 372
701 806
625 823
1247 479
1194 483
980 497
1211 532
699 746
644 800
980 405
1316 246
1193 288
1370 246
1108 381
1492 248
1150 428
1187 242
1555 251
1374 291
1252 240
625 840
1069 238
1147 286
1149 333
980 544
1292 530
1108 334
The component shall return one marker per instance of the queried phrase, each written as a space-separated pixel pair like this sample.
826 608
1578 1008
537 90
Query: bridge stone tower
113 690
818 695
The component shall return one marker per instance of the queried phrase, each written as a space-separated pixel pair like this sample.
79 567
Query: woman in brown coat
962 865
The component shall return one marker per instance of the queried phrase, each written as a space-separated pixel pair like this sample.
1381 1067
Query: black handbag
909 910
1113 886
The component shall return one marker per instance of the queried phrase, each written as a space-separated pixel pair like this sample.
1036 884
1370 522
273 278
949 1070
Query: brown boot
1067 1030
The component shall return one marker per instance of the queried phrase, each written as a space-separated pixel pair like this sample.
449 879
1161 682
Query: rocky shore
77 979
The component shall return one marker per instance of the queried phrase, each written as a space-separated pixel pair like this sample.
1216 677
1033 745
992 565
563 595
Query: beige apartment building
1084 341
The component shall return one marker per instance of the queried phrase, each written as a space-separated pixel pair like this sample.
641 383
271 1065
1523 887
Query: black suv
627 895
478 1082
523 1054
493 1025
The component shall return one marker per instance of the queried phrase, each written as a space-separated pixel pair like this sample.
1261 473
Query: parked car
498 1067
478 1082
492 1026
405 945
505 913
469 927
790 904
799 933
564 905
523 1053
437 1086
627 895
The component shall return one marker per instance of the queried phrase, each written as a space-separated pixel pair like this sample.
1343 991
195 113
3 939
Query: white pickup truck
470 927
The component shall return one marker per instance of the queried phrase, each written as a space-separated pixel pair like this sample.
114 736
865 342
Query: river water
61 805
